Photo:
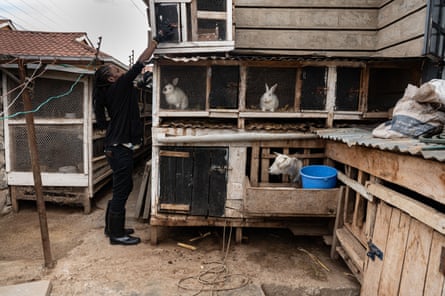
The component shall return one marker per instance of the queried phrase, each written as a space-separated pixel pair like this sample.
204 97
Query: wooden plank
338 221
359 208
142 190
352 247
174 153
293 40
373 269
175 207
264 173
266 201
416 259
395 246
397 9
218 182
183 175
353 184
308 18
426 178
410 48
147 205
355 271
310 3
416 209
403 30
200 192
167 179
255 164
434 282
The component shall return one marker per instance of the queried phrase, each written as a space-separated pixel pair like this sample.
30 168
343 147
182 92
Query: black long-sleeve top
122 105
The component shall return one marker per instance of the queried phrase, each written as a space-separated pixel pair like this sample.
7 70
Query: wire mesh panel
387 86
54 98
183 88
224 90
283 78
348 89
60 148
313 91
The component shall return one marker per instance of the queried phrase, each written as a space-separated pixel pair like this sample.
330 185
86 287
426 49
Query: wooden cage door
193 180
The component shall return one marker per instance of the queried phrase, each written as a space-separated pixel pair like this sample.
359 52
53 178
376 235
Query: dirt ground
268 262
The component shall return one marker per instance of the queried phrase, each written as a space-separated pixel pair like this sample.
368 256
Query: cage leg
86 202
154 231
239 235
14 200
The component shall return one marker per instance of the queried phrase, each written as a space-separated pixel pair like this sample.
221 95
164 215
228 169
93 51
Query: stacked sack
420 112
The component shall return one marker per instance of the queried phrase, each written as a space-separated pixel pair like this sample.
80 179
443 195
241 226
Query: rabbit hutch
337 70
73 166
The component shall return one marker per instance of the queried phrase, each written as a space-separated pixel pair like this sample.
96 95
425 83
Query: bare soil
268 262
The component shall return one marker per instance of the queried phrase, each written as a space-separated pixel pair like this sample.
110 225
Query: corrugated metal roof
178 58
363 137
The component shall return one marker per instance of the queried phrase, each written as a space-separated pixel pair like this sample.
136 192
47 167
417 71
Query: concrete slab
37 288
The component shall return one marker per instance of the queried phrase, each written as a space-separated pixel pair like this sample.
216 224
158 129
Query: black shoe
124 240
117 234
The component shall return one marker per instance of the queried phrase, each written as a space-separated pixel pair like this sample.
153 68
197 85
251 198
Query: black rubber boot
117 233
107 229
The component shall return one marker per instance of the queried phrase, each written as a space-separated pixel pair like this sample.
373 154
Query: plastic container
318 177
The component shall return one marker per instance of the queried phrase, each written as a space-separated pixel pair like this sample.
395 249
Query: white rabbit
175 96
269 101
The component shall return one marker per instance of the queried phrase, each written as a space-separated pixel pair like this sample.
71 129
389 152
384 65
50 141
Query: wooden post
32 143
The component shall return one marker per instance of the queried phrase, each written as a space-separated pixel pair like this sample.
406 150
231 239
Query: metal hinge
374 251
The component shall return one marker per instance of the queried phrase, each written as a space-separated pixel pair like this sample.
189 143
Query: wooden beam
415 209
356 186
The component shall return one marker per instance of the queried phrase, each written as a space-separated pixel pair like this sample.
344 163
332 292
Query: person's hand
165 32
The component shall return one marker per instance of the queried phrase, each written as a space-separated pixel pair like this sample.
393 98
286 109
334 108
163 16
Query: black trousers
120 159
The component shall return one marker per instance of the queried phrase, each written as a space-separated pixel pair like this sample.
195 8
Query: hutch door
193 180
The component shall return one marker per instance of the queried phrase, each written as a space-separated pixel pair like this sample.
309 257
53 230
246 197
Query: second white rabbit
269 100
175 96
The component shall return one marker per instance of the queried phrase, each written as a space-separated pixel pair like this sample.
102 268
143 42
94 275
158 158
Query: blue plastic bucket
318 176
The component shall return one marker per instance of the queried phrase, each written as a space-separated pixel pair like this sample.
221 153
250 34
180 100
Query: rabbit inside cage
183 88
270 89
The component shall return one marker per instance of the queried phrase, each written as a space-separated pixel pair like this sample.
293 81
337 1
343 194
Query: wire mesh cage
224 89
55 154
260 79
52 98
183 88
348 89
313 90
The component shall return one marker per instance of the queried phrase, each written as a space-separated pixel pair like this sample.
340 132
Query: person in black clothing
114 92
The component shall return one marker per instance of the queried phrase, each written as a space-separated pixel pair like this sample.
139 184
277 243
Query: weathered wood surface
373 28
402 31
426 214
394 255
310 3
417 174
416 259
397 9
285 18
373 269
352 251
434 282
276 201
305 40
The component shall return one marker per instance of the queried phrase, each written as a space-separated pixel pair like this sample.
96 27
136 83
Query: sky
122 24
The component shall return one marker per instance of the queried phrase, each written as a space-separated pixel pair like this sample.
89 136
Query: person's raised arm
147 53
